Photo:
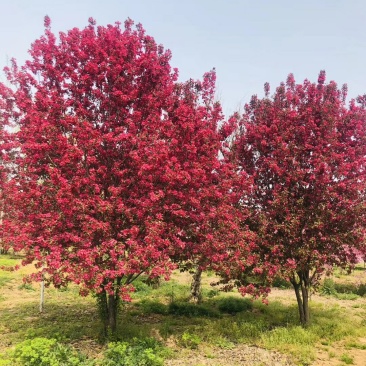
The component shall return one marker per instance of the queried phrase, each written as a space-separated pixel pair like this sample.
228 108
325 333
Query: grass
222 320
347 359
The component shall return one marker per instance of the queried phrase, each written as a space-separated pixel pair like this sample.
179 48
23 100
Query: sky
248 42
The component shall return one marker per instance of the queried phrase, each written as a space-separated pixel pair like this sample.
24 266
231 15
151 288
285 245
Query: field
224 330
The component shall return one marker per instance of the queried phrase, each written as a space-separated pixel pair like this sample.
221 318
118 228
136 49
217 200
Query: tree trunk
301 286
112 312
103 311
108 310
196 289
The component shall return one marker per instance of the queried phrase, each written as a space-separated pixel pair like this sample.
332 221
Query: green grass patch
347 359
233 305
153 307
139 352
192 310
8 260
4 280
221 320
342 291
356 345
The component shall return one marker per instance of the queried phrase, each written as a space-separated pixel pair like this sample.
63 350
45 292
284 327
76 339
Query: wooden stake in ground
41 303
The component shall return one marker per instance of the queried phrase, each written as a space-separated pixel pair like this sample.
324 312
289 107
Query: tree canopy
305 151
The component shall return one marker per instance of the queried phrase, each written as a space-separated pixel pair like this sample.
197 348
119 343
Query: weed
145 352
233 305
190 340
346 296
211 293
192 310
224 343
4 280
46 352
26 286
351 288
342 291
153 307
328 287
280 282
347 359
356 345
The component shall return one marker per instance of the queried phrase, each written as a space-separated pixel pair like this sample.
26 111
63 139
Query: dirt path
239 356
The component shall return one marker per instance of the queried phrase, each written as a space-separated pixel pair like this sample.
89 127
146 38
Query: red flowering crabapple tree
6 105
305 151
117 162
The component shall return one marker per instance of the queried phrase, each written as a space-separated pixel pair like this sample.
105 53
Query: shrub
189 309
342 291
190 340
141 287
212 293
138 353
153 307
280 282
346 296
26 286
233 305
347 359
351 288
328 287
46 352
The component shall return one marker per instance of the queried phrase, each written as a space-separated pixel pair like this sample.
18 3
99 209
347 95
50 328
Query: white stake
41 303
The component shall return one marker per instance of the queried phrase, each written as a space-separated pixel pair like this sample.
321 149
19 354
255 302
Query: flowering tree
6 105
305 152
116 163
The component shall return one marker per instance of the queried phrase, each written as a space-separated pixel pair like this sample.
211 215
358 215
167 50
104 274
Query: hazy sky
248 42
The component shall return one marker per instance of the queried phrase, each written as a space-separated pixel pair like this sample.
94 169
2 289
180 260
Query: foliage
190 340
304 151
347 359
114 164
26 286
4 280
46 352
233 305
280 282
137 353
154 307
72 321
192 310
328 287
351 288
342 291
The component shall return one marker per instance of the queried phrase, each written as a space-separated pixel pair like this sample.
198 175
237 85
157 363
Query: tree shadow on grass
274 326
60 321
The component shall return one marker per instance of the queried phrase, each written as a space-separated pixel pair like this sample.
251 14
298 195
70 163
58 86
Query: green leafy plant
26 286
328 287
233 305
46 352
153 307
192 310
346 296
146 352
280 282
347 359
190 340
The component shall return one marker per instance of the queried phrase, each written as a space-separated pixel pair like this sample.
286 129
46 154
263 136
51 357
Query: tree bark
301 287
103 311
196 288
112 312
108 311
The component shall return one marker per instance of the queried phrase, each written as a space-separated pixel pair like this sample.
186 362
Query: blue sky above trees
247 42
